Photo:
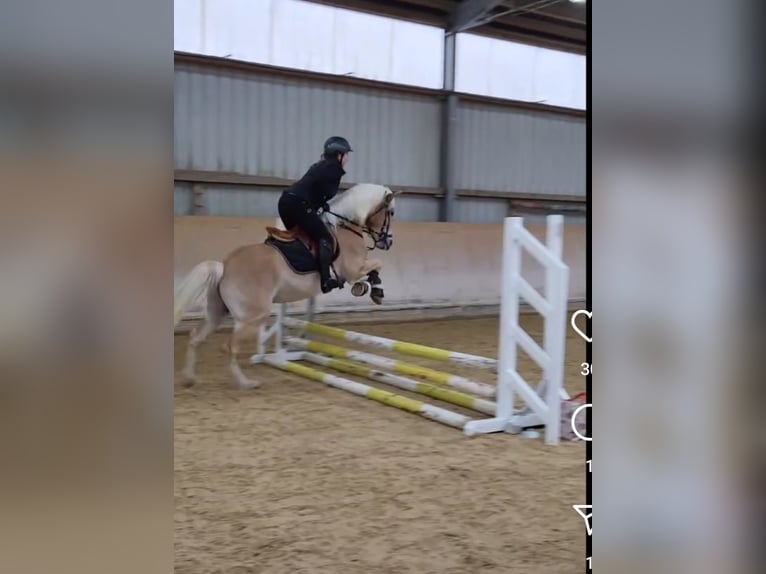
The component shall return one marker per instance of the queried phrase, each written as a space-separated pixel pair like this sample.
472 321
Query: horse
283 269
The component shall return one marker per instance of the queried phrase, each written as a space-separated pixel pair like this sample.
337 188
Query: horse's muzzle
384 242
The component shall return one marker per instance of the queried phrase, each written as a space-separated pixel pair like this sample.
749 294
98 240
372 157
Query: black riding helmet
335 145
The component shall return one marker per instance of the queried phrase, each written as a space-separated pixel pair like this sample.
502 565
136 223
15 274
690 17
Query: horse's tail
199 281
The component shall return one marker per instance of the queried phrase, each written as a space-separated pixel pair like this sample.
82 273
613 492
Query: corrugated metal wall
229 120
266 125
229 200
182 199
481 210
502 149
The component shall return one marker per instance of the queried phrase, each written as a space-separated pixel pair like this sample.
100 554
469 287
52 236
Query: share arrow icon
586 511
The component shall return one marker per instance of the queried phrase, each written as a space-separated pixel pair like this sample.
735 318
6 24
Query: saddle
298 249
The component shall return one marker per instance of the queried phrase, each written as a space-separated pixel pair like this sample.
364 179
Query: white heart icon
573 322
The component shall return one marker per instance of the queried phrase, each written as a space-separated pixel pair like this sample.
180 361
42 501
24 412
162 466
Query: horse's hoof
377 296
248 384
360 288
188 381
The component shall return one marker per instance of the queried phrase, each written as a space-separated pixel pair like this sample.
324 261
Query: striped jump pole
400 367
412 349
439 393
423 409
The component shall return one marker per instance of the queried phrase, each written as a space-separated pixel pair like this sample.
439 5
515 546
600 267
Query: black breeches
294 212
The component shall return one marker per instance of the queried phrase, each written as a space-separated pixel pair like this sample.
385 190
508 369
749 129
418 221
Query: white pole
554 239
509 315
509 318
556 292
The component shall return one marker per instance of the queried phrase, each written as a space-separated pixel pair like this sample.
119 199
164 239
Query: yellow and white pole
400 367
440 393
424 409
412 349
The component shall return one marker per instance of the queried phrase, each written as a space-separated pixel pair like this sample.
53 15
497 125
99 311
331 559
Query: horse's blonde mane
356 203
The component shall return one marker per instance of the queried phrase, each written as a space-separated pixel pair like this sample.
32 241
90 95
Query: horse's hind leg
244 332
213 318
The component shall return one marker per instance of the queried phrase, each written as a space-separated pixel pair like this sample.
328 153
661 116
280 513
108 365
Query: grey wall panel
480 210
502 149
183 200
228 120
417 208
263 124
237 201
233 200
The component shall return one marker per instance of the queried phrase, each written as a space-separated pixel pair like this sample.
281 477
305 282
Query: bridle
381 237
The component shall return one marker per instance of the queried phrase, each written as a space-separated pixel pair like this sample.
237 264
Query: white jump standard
542 405
553 308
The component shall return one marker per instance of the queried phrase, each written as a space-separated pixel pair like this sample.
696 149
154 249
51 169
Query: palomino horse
252 277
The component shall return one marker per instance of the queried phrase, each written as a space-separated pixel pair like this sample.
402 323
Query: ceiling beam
399 9
543 28
532 39
471 13
506 20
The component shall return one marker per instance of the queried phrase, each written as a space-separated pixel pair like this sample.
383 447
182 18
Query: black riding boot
325 260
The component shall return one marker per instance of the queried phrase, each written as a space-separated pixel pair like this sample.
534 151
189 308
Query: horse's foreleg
371 265
371 272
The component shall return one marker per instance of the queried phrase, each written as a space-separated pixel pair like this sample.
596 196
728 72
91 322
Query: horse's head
368 206
379 221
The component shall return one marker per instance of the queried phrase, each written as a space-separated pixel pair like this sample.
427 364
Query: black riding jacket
319 184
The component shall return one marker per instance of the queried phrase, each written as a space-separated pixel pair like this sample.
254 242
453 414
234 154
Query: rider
299 204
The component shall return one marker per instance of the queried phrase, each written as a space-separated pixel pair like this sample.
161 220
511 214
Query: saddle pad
296 254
